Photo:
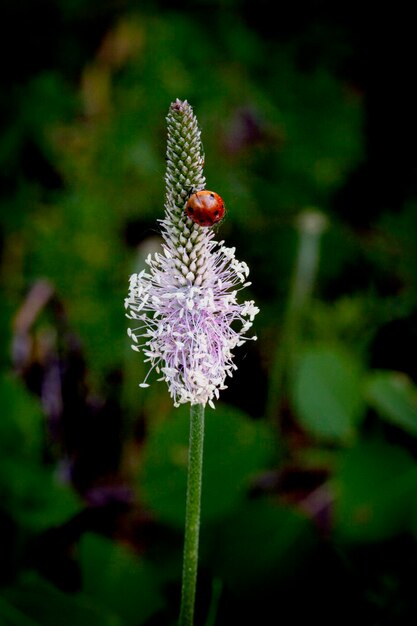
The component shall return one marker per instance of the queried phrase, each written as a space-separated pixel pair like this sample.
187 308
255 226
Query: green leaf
22 420
11 616
236 448
35 496
375 486
45 605
327 394
262 543
394 396
31 492
119 580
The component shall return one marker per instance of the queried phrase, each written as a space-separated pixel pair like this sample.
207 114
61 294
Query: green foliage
327 394
31 492
22 423
35 496
118 580
236 450
394 396
34 602
376 485
262 544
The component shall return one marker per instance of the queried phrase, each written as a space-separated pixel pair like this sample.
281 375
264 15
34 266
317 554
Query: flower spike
186 301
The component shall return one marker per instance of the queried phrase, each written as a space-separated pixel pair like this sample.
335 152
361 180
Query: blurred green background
308 123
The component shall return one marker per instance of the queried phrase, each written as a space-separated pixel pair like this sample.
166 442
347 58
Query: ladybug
205 208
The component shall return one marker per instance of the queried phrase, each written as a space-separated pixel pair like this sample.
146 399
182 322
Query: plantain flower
189 319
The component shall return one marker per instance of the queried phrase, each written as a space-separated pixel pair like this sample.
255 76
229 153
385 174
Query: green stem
310 225
216 590
192 515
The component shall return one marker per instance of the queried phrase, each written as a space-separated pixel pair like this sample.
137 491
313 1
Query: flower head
186 302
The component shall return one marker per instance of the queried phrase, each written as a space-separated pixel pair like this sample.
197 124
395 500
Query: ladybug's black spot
216 213
190 209
212 195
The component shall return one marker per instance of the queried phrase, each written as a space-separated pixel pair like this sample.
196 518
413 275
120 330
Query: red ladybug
205 207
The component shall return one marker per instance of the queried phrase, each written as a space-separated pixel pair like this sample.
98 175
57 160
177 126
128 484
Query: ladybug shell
205 208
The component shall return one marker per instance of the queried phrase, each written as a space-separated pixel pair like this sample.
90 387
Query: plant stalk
192 515
310 225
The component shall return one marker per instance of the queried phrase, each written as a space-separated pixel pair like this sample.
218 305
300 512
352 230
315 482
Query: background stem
310 225
192 515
